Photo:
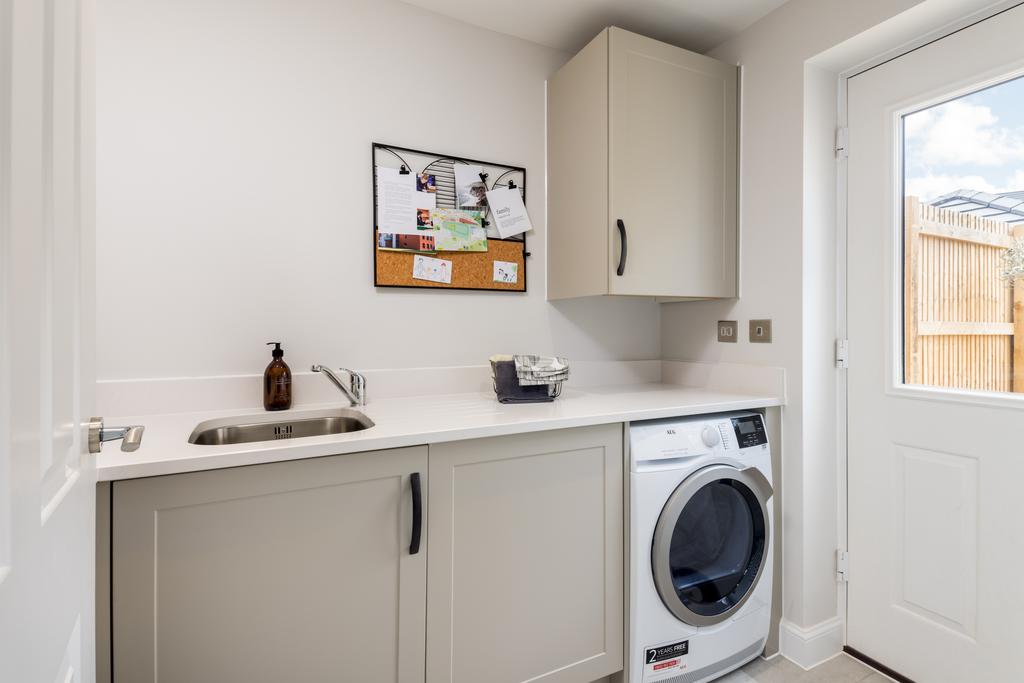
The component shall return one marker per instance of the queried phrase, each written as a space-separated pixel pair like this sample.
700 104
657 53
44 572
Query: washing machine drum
711 543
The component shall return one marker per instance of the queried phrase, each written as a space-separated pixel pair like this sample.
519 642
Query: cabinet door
525 568
294 571
672 170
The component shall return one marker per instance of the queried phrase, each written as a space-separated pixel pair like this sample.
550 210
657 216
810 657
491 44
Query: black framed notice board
499 266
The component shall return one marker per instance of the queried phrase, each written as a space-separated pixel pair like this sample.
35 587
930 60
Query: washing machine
700 546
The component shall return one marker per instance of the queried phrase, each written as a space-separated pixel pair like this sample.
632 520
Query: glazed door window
963 242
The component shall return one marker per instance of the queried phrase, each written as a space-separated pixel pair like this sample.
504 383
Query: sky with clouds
975 142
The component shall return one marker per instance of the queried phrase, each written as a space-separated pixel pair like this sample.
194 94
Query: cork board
470 270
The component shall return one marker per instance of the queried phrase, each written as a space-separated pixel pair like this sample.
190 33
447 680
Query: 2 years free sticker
664 661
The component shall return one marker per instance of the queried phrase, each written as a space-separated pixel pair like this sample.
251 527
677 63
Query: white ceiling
568 24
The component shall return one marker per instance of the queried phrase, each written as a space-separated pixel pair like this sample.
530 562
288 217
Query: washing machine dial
710 436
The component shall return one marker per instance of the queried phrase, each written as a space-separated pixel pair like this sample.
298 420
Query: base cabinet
525 565
303 570
293 571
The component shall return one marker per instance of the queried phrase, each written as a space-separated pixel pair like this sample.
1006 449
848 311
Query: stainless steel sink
252 429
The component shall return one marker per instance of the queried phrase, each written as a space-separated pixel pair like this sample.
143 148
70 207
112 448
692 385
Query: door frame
841 283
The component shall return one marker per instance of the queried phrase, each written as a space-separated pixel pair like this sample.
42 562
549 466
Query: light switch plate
727 331
761 331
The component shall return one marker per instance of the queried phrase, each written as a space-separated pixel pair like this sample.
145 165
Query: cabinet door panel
525 574
672 180
294 571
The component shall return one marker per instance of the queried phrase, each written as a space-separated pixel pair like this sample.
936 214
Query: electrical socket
761 331
727 331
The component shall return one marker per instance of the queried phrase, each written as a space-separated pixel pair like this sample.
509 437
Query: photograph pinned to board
424 219
509 211
470 188
432 269
421 241
458 230
426 183
426 201
506 272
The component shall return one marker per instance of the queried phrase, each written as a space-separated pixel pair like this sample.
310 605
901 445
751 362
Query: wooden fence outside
964 326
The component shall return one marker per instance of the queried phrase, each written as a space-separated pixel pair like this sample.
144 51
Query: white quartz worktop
408 422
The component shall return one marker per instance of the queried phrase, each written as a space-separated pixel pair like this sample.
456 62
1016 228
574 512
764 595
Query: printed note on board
508 210
396 200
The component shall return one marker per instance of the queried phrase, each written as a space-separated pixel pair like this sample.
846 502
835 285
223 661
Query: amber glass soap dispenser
277 381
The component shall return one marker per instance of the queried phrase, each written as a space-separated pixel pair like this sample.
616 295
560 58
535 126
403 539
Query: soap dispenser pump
277 381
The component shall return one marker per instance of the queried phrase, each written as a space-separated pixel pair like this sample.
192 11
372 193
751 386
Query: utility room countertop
408 422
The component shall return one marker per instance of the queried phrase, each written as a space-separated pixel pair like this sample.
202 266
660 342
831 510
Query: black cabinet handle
417 513
622 252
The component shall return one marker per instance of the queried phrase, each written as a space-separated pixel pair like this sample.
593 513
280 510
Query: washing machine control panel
732 434
749 431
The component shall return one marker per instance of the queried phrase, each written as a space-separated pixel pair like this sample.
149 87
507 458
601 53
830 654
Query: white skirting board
808 647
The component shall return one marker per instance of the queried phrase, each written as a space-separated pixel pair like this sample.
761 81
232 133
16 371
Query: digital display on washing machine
749 431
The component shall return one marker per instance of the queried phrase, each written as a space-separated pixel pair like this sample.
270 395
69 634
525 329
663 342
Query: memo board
470 270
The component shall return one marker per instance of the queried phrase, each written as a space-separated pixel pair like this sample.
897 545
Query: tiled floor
841 669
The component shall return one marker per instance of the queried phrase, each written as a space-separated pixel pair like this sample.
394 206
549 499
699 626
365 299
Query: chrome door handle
131 436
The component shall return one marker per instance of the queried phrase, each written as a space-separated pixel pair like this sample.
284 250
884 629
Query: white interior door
936 460
47 482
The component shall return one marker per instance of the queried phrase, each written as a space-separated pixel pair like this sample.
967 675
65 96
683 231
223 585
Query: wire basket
509 390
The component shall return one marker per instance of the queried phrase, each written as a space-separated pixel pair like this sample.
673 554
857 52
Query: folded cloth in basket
508 388
533 370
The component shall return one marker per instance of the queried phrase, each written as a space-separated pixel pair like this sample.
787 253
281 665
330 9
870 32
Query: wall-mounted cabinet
642 172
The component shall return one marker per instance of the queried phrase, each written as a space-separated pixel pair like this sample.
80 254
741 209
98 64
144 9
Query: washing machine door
711 543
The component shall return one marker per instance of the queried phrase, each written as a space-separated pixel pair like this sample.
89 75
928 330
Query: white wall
788 257
234 196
